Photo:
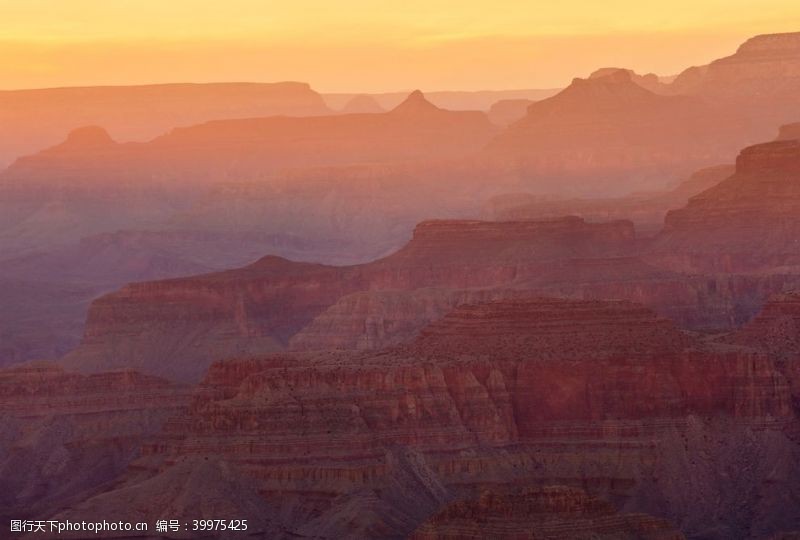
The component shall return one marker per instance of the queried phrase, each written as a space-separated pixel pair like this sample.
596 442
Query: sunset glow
356 44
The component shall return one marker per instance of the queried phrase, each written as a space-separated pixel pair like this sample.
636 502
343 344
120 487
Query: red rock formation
622 136
549 512
66 435
259 307
602 395
751 221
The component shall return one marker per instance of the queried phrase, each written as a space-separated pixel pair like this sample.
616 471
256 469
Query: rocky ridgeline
513 391
748 222
256 148
177 327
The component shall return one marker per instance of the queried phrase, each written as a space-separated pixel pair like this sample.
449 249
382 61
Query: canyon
175 328
604 396
571 313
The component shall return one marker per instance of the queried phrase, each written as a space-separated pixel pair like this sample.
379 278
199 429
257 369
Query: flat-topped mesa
549 328
461 253
176 327
544 512
254 148
38 118
566 236
785 43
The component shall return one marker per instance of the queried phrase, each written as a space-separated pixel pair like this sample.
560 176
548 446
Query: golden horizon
361 47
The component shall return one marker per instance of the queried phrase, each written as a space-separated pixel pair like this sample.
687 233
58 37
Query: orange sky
361 45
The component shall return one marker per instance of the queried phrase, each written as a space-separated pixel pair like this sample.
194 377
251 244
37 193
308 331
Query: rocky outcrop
65 435
602 395
748 222
549 512
253 148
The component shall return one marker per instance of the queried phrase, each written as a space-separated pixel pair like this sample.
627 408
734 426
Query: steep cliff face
549 512
459 253
66 435
603 395
747 222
